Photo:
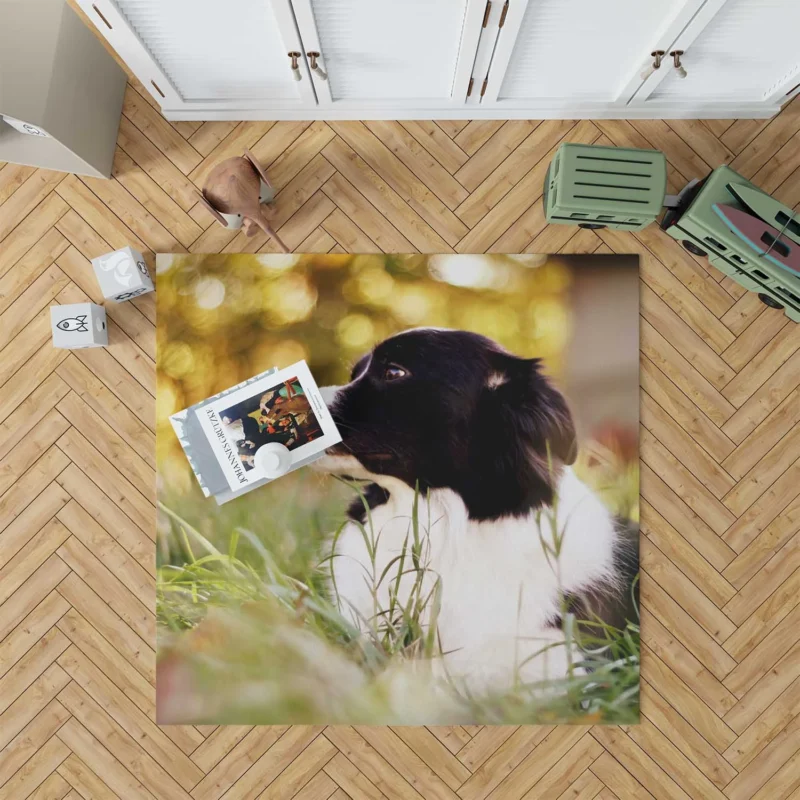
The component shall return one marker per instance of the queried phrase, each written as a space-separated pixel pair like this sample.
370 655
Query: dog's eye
394 373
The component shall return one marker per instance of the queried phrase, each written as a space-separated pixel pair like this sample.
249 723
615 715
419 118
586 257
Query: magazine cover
198 449
466 552
283 407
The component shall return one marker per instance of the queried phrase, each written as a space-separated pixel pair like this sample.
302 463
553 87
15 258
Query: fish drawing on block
764 239
77 324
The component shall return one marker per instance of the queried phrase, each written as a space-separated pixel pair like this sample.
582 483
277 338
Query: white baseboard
699 111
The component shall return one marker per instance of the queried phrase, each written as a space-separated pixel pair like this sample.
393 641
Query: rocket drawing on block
74 324
78 325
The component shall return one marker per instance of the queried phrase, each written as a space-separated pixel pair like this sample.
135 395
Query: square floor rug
462 551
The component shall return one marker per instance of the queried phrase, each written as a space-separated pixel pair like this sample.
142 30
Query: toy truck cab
703 232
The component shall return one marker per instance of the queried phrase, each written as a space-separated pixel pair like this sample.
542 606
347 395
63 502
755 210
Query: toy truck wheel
693 248
769 301
592 226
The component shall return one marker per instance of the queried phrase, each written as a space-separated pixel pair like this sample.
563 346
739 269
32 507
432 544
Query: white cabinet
220 56
735 51
335 59
575 52
378 53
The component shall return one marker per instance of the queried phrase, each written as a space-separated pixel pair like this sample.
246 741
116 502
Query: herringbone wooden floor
720 447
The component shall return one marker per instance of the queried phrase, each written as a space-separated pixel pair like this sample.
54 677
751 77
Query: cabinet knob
315 68
676 60
651 68
296 74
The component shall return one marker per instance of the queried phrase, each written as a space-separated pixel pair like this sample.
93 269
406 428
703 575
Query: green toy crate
605 187
702 232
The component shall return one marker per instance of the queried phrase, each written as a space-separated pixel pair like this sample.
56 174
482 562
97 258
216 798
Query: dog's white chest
501 581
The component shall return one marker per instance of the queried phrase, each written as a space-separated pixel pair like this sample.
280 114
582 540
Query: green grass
251 629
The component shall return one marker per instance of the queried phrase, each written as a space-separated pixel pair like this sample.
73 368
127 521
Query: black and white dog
510 528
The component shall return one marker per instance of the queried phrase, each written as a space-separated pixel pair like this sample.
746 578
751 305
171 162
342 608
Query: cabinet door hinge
469 88
486 13
503 15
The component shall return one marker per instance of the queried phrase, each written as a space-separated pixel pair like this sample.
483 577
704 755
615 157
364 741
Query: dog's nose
329 394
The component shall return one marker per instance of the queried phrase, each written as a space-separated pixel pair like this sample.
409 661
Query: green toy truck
597 187
702 232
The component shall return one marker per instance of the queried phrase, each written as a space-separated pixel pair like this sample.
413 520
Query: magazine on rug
277 406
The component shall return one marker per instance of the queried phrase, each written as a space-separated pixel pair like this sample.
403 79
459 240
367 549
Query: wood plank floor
720 377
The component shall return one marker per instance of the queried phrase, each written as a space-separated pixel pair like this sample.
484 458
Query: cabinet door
557 53
208 54
737 51
389 54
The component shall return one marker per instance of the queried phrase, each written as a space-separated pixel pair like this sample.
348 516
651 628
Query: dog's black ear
521 435
536 409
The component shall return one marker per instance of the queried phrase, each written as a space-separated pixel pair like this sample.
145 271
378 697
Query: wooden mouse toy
233 188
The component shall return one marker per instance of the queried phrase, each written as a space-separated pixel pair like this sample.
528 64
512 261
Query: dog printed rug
467 554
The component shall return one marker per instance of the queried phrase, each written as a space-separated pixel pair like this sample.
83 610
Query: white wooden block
78 325
122 274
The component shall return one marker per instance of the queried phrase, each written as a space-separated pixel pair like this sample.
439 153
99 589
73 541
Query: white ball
273 459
